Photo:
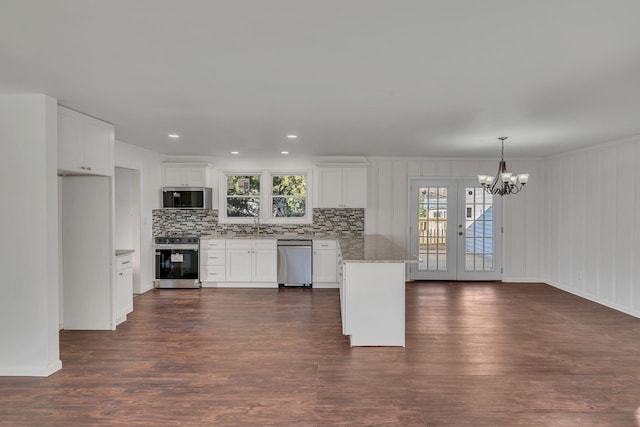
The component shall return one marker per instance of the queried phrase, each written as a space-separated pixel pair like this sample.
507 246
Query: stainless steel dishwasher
295 263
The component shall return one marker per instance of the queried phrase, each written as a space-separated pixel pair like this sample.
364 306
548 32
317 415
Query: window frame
265 197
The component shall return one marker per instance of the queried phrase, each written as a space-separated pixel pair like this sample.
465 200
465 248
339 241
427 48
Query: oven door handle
176 247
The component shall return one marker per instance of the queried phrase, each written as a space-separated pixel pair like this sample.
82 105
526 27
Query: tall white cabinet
86 199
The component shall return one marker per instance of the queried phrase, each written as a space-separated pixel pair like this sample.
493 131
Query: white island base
372 303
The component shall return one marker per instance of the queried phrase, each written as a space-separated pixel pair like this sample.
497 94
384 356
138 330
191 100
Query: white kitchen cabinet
212 262
325 264
341 187
85 144
252 262
124 287
186 175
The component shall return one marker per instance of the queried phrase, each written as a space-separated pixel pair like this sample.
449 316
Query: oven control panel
177 240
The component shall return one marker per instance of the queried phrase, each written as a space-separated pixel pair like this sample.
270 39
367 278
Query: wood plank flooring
478 354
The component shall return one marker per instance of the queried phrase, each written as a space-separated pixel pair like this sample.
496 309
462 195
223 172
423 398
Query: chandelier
504 182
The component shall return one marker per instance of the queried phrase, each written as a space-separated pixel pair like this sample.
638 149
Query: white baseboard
239 285
30 371
593 298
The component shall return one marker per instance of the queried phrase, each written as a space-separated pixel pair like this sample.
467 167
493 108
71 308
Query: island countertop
374 249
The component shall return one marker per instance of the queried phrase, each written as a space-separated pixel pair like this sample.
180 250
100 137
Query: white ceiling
350 77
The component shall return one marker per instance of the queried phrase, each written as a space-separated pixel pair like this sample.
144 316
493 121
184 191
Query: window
265 196
288 196
243 196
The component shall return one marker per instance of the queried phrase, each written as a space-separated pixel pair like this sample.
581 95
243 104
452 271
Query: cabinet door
354 187
212 257
124 292
265 265
329 187
195 177
184 176
239 265
70 145
325 265
98 146
173 176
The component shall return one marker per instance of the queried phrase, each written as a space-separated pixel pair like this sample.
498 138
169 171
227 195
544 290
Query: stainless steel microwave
186 198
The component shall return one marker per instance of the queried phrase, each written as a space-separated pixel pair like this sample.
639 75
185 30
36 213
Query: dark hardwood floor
481 354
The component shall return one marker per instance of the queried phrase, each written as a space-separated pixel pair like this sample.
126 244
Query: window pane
289 185
240 185
289 196
243 207
288 207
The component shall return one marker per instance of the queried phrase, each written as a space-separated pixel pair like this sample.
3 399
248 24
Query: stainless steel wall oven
177 263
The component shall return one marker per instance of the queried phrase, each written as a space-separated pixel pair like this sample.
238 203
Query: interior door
455 231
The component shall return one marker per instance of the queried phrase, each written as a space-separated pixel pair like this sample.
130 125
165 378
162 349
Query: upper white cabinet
341 187
85 144
186 175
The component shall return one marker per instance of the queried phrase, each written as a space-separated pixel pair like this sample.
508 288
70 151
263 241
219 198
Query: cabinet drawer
324 244
212 257
212 244
265 244
123 262
239 244
212 273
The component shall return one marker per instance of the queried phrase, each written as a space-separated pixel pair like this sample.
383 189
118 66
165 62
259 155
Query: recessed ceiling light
292 136
235 152
284 152
173 135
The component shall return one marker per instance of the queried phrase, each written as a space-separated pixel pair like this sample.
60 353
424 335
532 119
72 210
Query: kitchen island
372 291
371 277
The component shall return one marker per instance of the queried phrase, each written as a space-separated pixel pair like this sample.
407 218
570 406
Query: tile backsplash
196 222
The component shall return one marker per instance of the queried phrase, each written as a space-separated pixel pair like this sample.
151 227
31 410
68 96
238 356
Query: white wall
29 340
387 208
148 164
592 228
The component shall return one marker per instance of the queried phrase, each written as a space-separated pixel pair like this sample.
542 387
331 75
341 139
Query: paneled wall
388 209
592 224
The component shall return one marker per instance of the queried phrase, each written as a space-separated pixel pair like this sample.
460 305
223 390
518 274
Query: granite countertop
294 236
373 248
120 252
369 248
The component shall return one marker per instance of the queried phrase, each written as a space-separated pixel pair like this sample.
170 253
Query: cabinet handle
125 262
82 167
88 168
119 274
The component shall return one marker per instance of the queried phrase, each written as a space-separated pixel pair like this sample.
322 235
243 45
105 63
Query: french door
456 231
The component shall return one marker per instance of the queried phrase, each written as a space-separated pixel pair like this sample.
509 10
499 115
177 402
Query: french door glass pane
432 228
479 230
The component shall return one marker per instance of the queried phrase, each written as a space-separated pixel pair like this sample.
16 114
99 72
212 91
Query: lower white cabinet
124 287
245 263
325 264
252 261
212 262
